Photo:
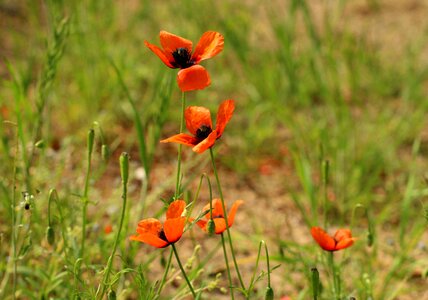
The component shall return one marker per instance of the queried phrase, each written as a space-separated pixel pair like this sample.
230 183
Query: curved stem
226 220
229 276
182 270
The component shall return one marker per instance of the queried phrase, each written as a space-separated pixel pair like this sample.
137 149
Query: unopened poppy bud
211 226
91 136
105 153
111 295
315 282
50 235
269 293
124 167
40 144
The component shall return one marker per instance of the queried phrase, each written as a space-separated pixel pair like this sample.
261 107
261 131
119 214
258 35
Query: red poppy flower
342 239
108 229
218 216
152 232
198 122
177 53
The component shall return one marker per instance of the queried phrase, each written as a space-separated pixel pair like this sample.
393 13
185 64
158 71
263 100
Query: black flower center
203 132
182 58
162 236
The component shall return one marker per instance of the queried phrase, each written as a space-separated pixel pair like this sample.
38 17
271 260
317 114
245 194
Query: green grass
308 89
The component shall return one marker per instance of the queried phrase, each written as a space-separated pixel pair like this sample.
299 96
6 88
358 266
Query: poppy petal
220 225
181 138
224 114
232 213
202 224
193 78
206 144
171 42
342 234
150 239
217 208
210 44
173 229
150 225
175 209
345 243
325 241
196 117
156 50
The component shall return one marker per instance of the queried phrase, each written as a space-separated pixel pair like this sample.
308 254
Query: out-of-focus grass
308 88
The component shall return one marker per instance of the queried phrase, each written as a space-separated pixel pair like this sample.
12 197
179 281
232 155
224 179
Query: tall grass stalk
54 54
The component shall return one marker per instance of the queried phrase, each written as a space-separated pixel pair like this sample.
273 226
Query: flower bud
105 153
91 136
124 167
111 295
269 293
50 235
40 144
211 227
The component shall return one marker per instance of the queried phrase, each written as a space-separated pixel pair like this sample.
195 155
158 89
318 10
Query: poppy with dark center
198 122
177 53
218 216
152 232
342 239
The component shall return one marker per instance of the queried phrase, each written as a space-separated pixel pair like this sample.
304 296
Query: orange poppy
198 122
177 53
218 216
342 239
152 232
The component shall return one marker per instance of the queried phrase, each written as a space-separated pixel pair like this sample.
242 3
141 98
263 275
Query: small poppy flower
108 229
218 216
198 122
177 53
152 232
342 239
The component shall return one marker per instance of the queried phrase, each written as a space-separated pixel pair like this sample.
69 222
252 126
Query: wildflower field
214 149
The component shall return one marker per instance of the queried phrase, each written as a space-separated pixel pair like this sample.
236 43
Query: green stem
86 189
229 276
124 160
177 185
226 220
15 266
336 288
182 270
165 274
178 179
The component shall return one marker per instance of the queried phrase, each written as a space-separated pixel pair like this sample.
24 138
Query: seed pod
269 293
50 235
